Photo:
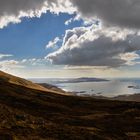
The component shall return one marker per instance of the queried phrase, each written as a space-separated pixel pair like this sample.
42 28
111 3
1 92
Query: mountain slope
4 77
133 97
31 114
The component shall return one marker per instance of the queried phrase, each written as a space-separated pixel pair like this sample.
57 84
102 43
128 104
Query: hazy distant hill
28 113
83 79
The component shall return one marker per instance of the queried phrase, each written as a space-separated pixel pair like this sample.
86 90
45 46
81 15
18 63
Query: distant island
134 87
83 79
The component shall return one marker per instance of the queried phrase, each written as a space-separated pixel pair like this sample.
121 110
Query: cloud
53 43
11 11
5 55
9 64
122 13
92 46
33 62
6 64
108 45
130 57
75 18
69 21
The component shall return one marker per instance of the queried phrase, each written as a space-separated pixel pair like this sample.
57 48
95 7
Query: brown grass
30 114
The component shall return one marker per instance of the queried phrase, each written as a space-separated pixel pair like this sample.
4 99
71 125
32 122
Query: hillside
133 97
26 112
4 77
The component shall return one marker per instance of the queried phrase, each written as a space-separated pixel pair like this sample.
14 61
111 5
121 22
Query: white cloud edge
79 35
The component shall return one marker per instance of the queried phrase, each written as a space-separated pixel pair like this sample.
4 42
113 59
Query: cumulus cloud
33 62
90 46
110 45
130 57
124 13
53 43
11 11
111 12
75 18
8 64
69 21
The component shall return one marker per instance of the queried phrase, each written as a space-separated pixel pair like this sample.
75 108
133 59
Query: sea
111 88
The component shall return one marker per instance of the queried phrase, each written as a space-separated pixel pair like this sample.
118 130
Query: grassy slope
4 77
134 97
27 113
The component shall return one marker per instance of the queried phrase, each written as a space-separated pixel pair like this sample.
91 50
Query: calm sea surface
110 88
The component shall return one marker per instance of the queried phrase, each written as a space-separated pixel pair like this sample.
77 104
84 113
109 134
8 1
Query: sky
70 38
